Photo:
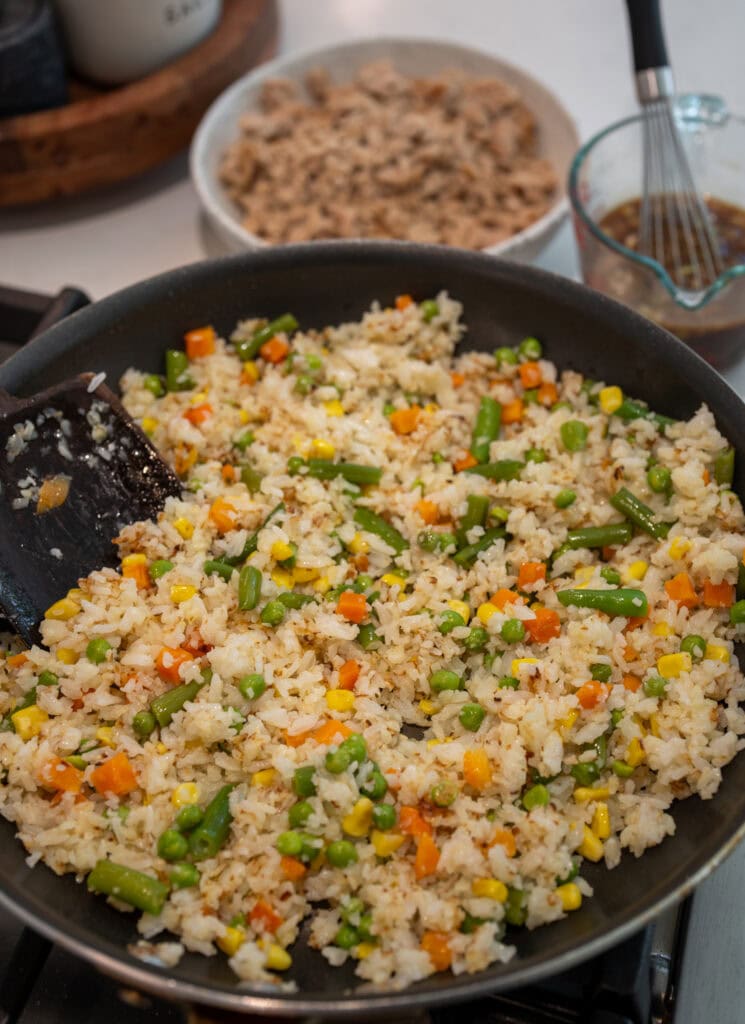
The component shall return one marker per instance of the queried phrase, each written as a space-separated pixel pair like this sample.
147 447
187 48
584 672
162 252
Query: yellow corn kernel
185 793
358 545
591 847
678 547
62 610
634 753
364 950
105 735
662 629
184 526
27 722
76 594
340 700
392 579
461 608
161 748
198 397
570 895
518 663
565 724
485 611
431 407
386 843
671 665
490 889
251 370
584 794
283 578
654 725
303 575
321 449
243 417
281 551
716 652
181 592
610 399
427 707
130 561
334 408
322 585
263 778
278 959
635 571
583 574
149 424
357 822
231 941
601 821
67 656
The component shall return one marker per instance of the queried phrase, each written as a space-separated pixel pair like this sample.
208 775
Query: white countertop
579 49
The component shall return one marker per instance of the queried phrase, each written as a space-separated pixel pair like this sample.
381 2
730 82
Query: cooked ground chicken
448 159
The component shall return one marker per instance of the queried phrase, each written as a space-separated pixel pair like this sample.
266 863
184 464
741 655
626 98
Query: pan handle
21 974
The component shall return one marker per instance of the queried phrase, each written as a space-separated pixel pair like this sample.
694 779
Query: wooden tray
104 136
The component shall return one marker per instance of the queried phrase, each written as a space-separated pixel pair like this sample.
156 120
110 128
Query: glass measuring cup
608 170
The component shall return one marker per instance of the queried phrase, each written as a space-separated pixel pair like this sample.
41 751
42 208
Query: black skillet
326 283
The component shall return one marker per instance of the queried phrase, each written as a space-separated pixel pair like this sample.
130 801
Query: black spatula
74 469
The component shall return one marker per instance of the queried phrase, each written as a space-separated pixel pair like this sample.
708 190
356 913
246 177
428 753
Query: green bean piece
172 845
444 793
341 853
515 911
384 816
367 638
178 377
302 781
154 385
485 428
615 716
47 678
611 576
97 650
249 348
468 555
444 679
585 773
371 522
724 467
292 600
273 613
565 498
600 746
250 478
641 515
504 469
376 786
249 588
214 566
159 568
253 541
352 472
477 509
210 835
143 724
530 397
600 671
500 514
184 875
622 770
608 536
571 874
508 683
294 464
536 455
624 601
252 686
167 704
142 891
188 817
470 924
696 645
574 434
429 310
449 621
632 410
737 613
536 796
476 640
660 479
76 761
506 356
471 716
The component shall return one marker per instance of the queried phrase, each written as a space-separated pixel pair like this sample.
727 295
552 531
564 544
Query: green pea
346 937
303 384
565 498
562 404
477 639
585 773
159 568
356 747
449 621
438 458
172 845
655 686
47 678
154 385
362 583
574 435
737 613
505 356
695 645
601 672
244 441
299 813
536 455
310 847
143 724
364 928
367 638
184 875
272 613
622 770
471 716
341 853
571 874
513 631
536 796
429 310
508 683
294 464
388 408
489 660
531 348
615 716
443 679
444 793
289 844
252 686
470 924
530 397
384 816
660 479
375 787
188 817
97 649
337 761
351 910
515 912
610 575
302 781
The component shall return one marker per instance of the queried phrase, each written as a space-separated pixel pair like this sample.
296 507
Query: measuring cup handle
647 36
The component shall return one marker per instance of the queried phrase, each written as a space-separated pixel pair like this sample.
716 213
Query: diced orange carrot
530 572
114 776
16 660
296 739
361 562
404 421
503 597
427 510
274 350
169 661
52 493
458 379
56 774
680 589
223 514
718 595
227 473
427 857
437 948
466 462
631 683
264 918
590 694
547 393
249 375
476 768
411 822
137 572
608 553
634 621
349 673
503 837
706 477
352 606
184 458
544 627
331 732
198 414
403 301
292 868
200 342
530 375
512 412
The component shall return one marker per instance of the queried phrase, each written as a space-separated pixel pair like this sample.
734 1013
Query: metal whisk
675 226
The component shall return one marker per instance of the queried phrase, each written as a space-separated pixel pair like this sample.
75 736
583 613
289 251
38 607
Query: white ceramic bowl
558 139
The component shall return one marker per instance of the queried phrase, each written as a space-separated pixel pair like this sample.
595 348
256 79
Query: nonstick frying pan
326 283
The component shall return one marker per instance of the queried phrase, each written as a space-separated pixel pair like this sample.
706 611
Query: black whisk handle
647 36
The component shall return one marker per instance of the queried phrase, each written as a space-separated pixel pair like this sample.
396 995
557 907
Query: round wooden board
106 136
